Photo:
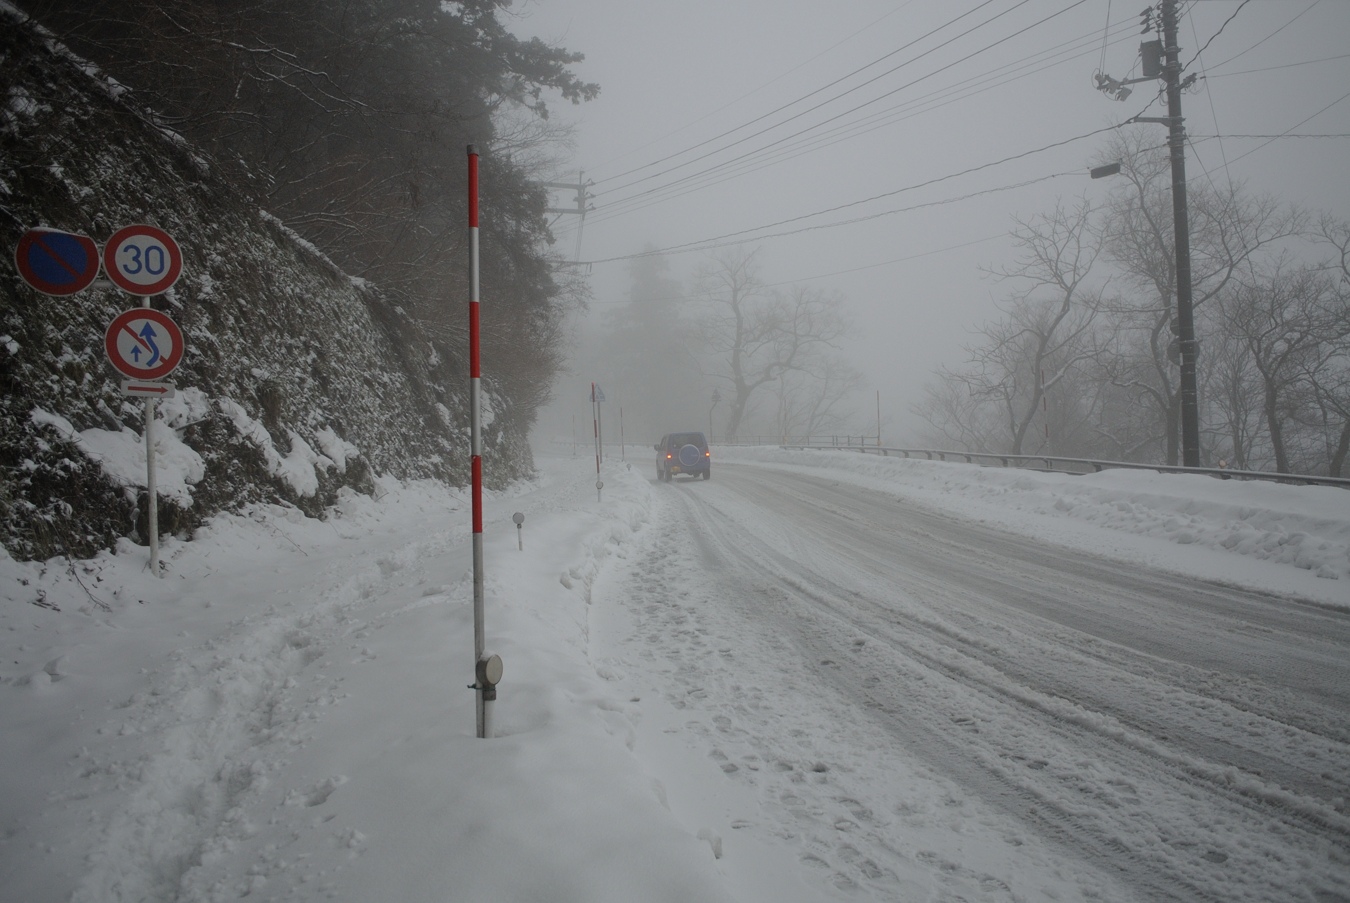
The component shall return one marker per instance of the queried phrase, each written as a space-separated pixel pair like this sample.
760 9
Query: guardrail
1076 465
844 441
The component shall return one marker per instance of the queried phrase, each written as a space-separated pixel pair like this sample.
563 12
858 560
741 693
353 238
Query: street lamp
717 396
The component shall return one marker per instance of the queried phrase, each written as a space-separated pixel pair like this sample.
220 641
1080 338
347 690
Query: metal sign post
140 351
142 344
151 491
143 261
597 396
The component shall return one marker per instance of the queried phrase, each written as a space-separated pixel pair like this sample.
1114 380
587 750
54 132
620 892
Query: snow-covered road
816 677
1141 734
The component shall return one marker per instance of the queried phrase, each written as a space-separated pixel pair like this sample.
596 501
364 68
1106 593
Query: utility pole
581 208
1176 141
1164 61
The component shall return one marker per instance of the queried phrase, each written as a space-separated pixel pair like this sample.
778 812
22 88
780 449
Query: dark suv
683 453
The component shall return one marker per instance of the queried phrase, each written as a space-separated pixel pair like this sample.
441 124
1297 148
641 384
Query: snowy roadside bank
285 714
1287 540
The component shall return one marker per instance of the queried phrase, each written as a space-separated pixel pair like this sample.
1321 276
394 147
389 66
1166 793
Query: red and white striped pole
487 668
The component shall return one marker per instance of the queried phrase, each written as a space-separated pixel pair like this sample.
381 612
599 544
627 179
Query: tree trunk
1337 464
1174 429
1275 427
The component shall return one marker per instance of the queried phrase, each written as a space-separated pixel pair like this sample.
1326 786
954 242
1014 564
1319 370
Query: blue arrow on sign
148 334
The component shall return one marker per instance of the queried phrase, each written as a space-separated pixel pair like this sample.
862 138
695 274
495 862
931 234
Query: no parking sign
55 262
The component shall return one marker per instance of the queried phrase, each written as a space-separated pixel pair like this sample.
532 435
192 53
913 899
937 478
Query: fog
939 132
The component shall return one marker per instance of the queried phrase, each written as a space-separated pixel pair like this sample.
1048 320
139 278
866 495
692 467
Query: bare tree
1285 319
1228 229
754 338
1232 389
814 404
954 417
1329 373
1044 337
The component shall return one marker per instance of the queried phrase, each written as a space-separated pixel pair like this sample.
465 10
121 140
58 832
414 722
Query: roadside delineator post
487 667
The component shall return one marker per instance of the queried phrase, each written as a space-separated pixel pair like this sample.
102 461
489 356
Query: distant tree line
348 120
773 356
1084 360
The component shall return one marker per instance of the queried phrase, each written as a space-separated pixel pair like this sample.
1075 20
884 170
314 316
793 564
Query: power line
805 143
1201 51
1286 132
837 116
875 99
792 103
717 243
1209 95
1242 53
1273 137
731 103
1325 59
702 244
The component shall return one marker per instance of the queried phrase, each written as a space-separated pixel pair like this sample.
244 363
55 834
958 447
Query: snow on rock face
121 454
335 448
297 468
297 381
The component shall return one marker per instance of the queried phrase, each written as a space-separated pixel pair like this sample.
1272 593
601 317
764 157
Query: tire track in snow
1110 788
830 778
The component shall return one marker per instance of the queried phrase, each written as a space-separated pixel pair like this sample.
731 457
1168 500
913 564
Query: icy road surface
869 674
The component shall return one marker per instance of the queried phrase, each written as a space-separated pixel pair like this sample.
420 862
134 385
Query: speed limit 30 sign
142 260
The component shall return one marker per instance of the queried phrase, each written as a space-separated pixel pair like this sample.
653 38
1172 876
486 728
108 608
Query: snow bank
1209 527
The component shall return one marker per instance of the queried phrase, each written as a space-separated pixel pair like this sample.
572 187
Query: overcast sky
724 117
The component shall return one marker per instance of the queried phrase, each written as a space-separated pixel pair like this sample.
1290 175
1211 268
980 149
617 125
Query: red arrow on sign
148 389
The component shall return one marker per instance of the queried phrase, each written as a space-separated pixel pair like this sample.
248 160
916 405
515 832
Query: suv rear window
679 439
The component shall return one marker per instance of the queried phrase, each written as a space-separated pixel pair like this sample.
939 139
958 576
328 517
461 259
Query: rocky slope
297 381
